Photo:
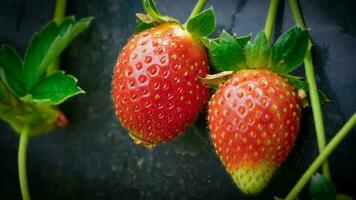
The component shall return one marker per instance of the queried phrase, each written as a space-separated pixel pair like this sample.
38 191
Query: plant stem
60 11
322 157
198 8
59 14
22 154
271 18
313 91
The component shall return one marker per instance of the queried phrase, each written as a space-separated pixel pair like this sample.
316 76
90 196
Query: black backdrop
94 158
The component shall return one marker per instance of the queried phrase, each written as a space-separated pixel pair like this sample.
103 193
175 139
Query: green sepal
258 53
54 89
150 8
225 53
11 70
7 99
289 50
46 45
322 189
202 24
40 117
142 26
242 40
298 83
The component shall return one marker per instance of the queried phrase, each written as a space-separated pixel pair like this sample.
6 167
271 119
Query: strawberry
254 115
156 88
254 121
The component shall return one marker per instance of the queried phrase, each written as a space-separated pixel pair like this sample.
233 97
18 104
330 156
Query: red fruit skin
254 121
156 88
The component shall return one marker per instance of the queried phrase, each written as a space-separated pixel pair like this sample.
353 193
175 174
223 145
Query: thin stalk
198 8
22 154
271 18
322 157
60 11
59 14
313 91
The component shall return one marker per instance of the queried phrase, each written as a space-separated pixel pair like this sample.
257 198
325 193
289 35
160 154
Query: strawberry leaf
46 45
202 24
226 53
11 67
55 88
258 53
289 50
242 40
321 188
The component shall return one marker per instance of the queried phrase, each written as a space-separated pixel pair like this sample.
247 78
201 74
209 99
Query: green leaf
242 40
343 197
289 50
202 24
11 65
56 88
321 188
46 45
226 53
258 53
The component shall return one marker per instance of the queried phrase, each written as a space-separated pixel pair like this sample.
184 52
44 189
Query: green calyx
233 53
284 56
29 90
200 24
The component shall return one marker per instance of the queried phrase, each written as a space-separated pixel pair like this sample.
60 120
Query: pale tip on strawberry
252 180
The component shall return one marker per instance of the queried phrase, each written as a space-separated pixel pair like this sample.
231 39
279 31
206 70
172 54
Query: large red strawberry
156 87
254 116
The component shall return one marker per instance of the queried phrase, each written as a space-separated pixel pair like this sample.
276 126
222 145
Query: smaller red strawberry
254 121
156 88
254 116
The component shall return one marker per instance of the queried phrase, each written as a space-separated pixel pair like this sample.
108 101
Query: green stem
59 14
322 157
313 91
198 8
271 18
60 11
22 154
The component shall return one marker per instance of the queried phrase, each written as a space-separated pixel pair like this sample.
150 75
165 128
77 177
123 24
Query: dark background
93 158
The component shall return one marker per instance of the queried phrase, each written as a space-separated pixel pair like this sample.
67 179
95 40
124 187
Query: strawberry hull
254 121
156 90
